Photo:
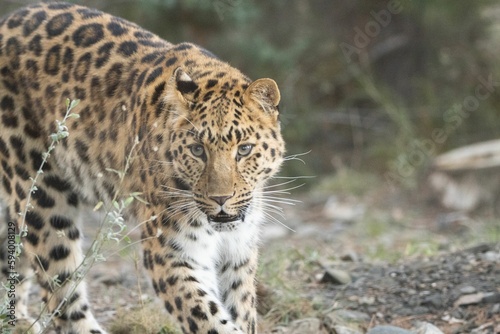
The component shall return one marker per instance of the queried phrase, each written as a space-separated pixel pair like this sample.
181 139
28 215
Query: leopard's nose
220 199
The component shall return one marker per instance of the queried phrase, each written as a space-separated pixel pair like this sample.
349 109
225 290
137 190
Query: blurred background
372 92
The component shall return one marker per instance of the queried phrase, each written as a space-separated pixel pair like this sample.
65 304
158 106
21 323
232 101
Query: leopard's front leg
237 286
180 257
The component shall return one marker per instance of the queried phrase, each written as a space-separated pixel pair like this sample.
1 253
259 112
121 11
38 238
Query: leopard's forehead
223 120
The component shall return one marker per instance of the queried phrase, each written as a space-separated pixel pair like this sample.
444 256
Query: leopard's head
225 143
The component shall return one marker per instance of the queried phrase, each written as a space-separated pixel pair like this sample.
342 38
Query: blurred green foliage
365 108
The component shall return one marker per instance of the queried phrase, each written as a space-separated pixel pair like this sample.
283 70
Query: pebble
427 328
388 330
345 330
345 316
345 321
434 300
336 276
491 257
306 326
279 330
491 297
468 289
469 299
367 300
350 256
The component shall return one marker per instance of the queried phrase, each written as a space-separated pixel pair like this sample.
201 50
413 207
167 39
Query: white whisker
275 220
282 191
268 201
279 184
275 211
296 157
187 119
294 177
267 197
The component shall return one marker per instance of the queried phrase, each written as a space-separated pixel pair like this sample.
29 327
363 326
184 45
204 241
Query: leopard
196 138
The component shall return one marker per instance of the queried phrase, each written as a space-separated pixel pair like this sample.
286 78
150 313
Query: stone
345 330
435 300
467 290
336 276
491 298
469 299
491 256
350 256
306 326
345 321
495 309
279 330
347 316
427 328
367 300
388 330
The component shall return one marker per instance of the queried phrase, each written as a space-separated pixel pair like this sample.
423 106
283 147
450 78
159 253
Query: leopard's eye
244 150
197 150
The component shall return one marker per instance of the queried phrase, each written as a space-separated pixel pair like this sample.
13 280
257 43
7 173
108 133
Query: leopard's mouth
223 217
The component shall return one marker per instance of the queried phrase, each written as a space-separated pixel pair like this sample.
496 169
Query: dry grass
287 275
144 319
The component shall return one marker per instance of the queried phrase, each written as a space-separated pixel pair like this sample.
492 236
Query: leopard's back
57 51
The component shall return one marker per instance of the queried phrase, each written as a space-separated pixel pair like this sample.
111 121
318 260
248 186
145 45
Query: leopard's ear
265 93
184 85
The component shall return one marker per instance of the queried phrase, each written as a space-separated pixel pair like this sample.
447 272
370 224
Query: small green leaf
139 198
74 103
128 201
98 206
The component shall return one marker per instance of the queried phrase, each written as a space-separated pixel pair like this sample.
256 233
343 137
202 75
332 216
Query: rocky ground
457 293
446 280
349 267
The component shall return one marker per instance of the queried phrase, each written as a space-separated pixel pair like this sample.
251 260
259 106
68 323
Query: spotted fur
202 137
